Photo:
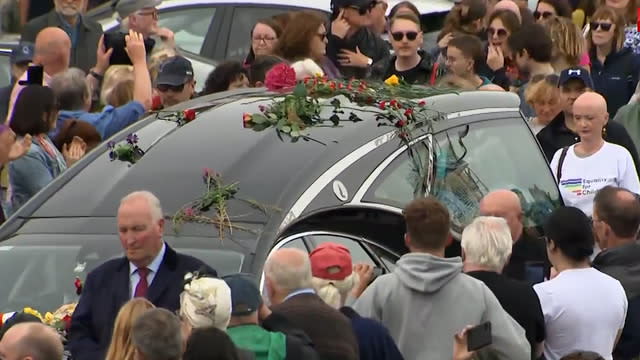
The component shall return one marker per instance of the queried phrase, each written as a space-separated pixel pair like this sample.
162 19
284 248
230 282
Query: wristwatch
369 61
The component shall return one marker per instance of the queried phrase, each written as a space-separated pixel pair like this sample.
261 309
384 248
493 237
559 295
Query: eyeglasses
594 25
173 88
265 39
551 79
502 33
545 14
322 36
152 13
398 36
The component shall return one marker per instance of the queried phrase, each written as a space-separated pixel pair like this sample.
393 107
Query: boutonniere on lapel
78 284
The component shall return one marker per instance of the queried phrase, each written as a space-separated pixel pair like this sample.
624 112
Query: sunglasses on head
152 13
363 10
545 14
173 88
398 36
500 32
604 26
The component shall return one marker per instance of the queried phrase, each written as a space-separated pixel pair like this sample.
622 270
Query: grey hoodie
427 299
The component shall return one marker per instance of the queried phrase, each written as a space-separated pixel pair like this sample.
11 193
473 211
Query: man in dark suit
84 33
288 282
150 269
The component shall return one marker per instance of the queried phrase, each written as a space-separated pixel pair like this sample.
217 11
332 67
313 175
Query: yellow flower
33 312
392 81
49 318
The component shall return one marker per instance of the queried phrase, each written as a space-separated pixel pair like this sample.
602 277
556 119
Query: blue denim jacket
31 173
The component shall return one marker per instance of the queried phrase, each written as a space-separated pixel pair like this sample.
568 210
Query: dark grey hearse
349 187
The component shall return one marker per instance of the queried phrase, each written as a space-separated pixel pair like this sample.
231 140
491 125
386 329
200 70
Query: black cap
570 229
22 53
575 73
175 71
245 295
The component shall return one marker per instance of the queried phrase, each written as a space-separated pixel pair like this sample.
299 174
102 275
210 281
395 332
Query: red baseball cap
331 261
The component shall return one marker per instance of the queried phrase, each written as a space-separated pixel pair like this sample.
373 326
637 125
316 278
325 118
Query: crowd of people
575 68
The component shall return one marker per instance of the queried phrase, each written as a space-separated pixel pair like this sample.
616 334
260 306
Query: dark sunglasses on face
398 36
365 9
165 88
604 26
501 32
545 14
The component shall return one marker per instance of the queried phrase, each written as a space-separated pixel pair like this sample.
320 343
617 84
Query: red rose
156 103
393 103
341 86
408 112
422 103
189 114
383 105
400 123
281 77
67 322
246 120
78 285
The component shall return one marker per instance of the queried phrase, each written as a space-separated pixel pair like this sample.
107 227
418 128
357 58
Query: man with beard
84 33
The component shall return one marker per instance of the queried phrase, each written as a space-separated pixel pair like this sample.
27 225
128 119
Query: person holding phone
142 17
352 46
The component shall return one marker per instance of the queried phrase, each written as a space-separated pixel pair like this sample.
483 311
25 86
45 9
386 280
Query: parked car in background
349 185
7 43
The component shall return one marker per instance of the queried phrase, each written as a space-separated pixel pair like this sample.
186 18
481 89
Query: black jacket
299 345
622 264
369 44
385 68
83 55
617 78
555 136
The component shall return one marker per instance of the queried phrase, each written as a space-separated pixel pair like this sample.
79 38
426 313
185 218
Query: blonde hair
333 292
567 39
542 91
117 88
157 58
121 347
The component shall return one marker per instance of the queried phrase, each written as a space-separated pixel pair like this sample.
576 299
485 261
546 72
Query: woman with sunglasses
306 38
352 46
502 23
615 69
409 62
548 9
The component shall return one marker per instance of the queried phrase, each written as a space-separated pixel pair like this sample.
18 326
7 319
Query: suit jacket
83 55
107 288
329 330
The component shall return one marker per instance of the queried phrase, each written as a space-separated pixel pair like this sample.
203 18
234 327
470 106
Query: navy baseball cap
245 295
575 73
175 71
22 53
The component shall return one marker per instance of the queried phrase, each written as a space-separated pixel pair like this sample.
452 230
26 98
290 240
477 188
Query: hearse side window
471 160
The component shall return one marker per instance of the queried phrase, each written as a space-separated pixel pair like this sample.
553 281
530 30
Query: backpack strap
563 155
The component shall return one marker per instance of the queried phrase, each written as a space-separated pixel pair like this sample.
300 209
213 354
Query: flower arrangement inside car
297 106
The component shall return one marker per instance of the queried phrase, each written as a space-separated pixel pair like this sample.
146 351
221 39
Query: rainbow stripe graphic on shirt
573 185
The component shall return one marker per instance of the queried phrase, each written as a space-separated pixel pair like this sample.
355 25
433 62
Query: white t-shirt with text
583 177
584 309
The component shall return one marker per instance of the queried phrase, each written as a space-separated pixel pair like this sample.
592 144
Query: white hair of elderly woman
487 242
306 68
206 302
335 292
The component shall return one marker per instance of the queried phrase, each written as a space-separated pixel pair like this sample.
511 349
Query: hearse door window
244 18
190 25
469 161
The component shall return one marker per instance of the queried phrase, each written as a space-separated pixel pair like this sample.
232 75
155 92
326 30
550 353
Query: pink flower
422 103
280 77
189 212
207 172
